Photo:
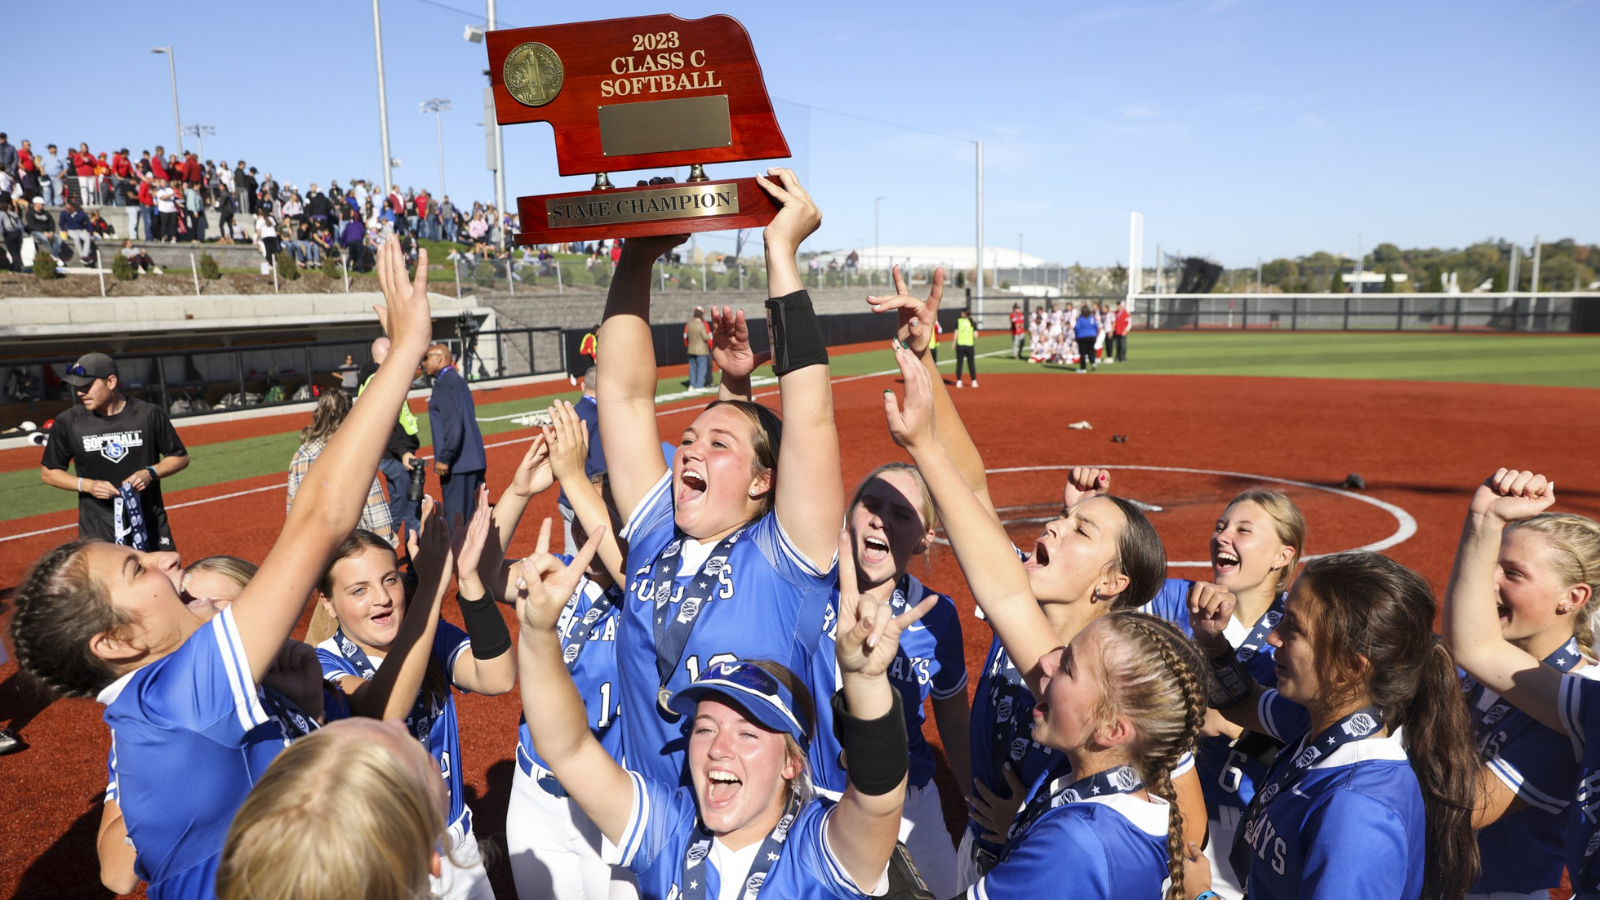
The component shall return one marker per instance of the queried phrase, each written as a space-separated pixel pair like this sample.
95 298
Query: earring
1096 597
1563 609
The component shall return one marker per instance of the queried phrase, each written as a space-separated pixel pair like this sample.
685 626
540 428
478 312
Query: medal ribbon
420 718
672 631
1257 638
1353 727
1120 780
572 643
695 874
126 506
1565 659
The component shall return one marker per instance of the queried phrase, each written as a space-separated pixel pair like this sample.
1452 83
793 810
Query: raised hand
993 812
1084 482
568 440
1210 610
797 215
868 632
730 344
911 424
467 543
405 316
296 673
533 475
545 583
644 251
1511 495
916 317
430 545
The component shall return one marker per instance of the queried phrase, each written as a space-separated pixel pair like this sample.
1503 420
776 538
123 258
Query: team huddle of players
1056 335
723 691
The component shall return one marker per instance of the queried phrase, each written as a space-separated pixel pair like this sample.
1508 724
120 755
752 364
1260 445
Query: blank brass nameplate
676 202
663 126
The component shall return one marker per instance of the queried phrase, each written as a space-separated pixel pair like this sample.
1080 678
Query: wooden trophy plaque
638 93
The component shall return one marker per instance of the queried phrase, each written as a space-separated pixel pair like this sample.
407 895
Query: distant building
1369 282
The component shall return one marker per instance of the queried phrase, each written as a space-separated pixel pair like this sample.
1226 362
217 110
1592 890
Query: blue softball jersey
593 668
663 825
190 736
931 662
1352 827
1095 849
439 732
766 602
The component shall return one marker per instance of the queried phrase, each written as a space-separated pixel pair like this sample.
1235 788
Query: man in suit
458 457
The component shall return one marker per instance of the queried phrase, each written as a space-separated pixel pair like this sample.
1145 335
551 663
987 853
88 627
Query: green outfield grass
1553 360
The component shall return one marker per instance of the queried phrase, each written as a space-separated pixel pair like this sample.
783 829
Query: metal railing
1510 312
1520 312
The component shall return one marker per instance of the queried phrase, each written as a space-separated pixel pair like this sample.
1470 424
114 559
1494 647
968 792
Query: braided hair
60 608
1156 678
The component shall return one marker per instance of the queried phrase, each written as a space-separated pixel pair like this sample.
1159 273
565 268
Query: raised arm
866 823
393 690
490 668
533 477
555 712
1471 622
998 581
810 500
626 395
1210 610
730 350
916 331
333 494
568 440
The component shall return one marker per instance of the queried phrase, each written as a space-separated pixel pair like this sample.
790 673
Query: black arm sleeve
486 628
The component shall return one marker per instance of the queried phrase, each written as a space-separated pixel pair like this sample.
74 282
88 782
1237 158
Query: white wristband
80 484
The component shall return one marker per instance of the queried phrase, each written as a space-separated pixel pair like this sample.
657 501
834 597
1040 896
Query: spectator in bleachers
225 212
159 163
8 155
53 168
166 212
353 240
99 227
122 170
447 218
147 206
83 166
241 190
144 165
11 235
139 259
28 170
127 193
38 223
317 204
267 234
76 227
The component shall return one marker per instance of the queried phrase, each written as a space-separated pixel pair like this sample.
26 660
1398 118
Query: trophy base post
625 212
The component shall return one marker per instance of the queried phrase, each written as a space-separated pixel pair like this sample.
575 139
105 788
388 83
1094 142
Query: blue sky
1239 128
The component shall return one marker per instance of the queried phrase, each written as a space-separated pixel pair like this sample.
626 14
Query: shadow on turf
61 871
22 699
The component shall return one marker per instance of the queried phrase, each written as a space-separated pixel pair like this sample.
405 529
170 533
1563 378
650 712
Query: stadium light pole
979 260
199 132
499 144
383 103
437 105
876 253
172 70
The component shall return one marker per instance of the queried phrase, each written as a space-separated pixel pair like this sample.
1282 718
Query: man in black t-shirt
112 440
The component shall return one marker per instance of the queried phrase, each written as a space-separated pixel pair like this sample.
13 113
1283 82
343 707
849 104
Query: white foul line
660 399
1406 525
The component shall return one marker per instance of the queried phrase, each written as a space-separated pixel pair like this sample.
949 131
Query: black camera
419 481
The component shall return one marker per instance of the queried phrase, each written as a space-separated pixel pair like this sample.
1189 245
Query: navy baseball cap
752 689
89 367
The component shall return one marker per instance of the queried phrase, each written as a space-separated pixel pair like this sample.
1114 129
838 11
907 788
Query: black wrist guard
794 333
485 626
1230 683
876 751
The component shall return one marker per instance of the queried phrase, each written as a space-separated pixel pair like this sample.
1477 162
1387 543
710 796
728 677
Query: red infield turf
1192 443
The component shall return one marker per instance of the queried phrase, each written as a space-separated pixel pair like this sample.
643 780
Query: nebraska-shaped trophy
639 93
